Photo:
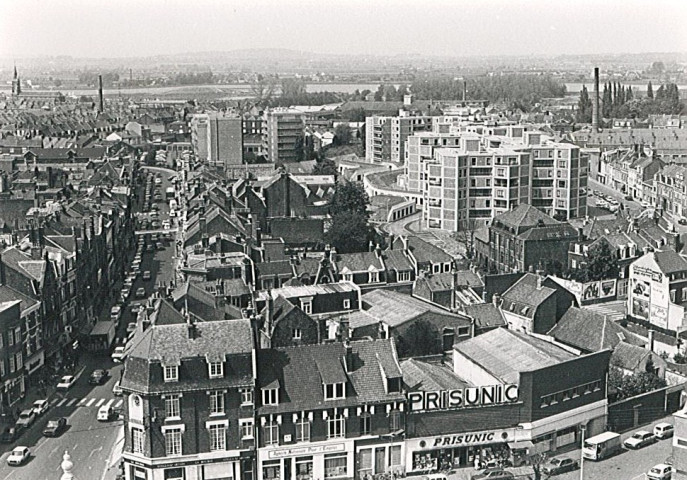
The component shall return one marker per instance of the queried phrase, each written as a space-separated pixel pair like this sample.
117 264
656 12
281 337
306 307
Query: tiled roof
426 252
550 232
419 374
358 262
281 267
437 282
525 292
8 294
300 372
670 261
468 278
505 353
589 331
524 216
486 315
397 260
394 308
628 356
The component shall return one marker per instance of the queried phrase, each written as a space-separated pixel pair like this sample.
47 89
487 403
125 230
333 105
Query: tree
657 68
626 386
349 232
419 339
379 94
537 462
292 88
350 197
465 236
325 166
342 132
584 107
601 264
263 89
649 90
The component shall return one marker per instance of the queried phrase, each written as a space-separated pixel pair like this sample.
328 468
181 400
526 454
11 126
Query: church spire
15 71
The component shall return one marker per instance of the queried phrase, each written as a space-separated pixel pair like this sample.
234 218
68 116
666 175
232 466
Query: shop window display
304 468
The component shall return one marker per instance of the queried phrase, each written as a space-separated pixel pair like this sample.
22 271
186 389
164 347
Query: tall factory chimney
465 90
100 94
595 104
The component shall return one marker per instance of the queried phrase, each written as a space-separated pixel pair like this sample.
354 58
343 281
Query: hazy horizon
83 29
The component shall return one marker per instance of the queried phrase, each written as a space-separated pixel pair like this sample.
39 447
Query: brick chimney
348 356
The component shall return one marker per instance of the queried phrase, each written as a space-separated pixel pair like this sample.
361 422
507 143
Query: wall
282 336
642 409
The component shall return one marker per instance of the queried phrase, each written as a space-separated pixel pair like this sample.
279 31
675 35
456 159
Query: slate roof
628 356
419 374
397 260
468 278
505 353
358 262
589 331
9 294
65 242
300 372
172 344
486 315
425 252
437 282
524 216
267 269
670 261
394 308
22 263
550 232
524 293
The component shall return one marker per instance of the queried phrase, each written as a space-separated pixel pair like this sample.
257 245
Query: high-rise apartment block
385 137
282 135
467 175
217 139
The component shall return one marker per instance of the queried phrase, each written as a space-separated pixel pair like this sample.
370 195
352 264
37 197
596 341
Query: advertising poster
659 316
641 288
608 288
640 308
590 291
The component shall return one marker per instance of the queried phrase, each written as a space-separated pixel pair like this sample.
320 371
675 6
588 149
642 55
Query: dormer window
171 373
270 396
393 385
334 391
373 277
348 277
306 305
216 369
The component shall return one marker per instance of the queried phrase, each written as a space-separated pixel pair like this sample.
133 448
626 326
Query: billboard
640 308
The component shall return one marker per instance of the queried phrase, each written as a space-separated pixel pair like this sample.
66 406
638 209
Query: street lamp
582 429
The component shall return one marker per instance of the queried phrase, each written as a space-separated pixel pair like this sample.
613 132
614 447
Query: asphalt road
88 441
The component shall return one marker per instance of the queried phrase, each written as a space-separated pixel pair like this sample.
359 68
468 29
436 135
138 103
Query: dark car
560 465
493 474
9 435
55 427
682 221
98 377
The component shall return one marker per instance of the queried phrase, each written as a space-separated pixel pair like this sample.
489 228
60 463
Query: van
663 430
105 413
601 446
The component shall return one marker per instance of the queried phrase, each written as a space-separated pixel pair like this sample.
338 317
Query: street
88 441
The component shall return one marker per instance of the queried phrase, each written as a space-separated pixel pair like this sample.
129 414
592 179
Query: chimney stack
100 93
349 355
595 104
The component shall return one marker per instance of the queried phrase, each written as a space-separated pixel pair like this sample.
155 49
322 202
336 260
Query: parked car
662 471
40 406
131 327
9 435
494 474
682 221
115 312
159 246
66 382
560 465
118 354
663 430
18 456
26 418
640 439
105 413
141 293
117 389
150 247
628 197
55 427
147 275
98 377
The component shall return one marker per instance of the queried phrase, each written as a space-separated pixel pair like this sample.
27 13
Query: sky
133 28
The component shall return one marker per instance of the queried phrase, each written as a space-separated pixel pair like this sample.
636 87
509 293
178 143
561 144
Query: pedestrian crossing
86 402
614 311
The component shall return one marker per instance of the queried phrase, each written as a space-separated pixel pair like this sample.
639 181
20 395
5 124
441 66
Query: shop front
206 469
331 460
374 458
462 449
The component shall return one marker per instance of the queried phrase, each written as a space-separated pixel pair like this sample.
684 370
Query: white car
40 407
66 382
639 439
105 413
661 471
118 354
18 456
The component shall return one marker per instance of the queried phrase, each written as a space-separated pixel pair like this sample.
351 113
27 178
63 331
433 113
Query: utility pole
582 429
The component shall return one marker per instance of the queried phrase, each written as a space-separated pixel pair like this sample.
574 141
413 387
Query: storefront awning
525 444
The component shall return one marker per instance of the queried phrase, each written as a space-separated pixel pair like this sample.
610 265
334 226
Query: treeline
517 91
293 92
618 101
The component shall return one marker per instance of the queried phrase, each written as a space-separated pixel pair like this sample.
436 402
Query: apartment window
271 432
347 303
2 367
394 420
216 402
17 335
137 440
296 333
20 361
10 338
173 441
336 426
171 373
12 368
218 437
373 277
302 430
216 369
246 428
365 424
561 163
246 396
270 396
172 406
334 391
306 306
